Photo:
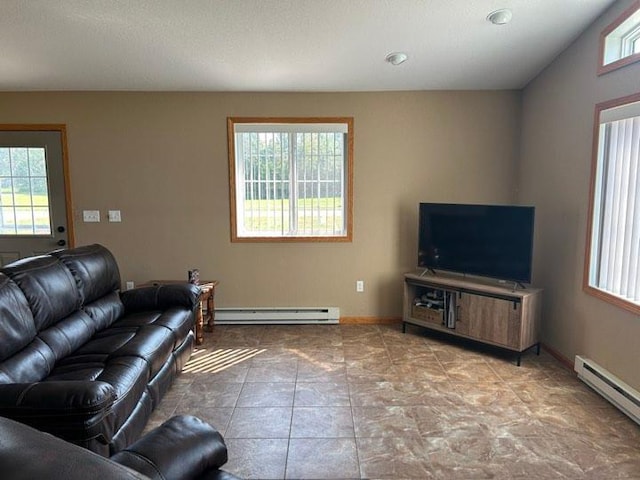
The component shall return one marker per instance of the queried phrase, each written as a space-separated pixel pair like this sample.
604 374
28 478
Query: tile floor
367 401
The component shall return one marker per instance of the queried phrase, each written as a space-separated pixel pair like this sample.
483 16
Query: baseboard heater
609 386
277 315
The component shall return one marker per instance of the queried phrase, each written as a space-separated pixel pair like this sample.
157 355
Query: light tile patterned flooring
367 401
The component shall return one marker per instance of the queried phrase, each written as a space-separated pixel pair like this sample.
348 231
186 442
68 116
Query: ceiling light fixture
500 17
396 58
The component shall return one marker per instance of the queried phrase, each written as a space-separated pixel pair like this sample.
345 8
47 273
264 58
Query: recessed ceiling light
396 58
500 17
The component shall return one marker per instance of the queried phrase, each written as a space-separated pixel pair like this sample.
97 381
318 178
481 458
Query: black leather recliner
82 360
183 448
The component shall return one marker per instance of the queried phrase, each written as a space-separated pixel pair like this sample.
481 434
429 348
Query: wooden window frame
624 61
587 288
348 210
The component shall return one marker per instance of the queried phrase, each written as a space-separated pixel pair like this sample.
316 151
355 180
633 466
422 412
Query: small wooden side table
206 310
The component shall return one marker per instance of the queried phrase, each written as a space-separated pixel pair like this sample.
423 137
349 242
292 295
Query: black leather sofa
79 358
183 448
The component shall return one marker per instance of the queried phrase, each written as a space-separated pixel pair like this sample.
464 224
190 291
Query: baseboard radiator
609 386
277 315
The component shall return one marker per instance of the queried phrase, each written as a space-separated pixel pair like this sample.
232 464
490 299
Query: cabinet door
490 319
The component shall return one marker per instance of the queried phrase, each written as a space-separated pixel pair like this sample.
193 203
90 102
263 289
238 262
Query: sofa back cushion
17 327
94 270
67 336
106 310
97 277
48 286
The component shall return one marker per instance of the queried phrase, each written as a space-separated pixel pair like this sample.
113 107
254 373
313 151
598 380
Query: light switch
114 216
91 216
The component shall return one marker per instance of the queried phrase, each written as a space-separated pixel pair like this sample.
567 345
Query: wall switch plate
114 216
359 286
91 216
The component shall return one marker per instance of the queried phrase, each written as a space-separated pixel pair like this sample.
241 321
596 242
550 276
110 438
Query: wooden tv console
486 312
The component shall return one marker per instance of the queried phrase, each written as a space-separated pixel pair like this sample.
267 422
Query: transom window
291 179
612 266
620 41
24 194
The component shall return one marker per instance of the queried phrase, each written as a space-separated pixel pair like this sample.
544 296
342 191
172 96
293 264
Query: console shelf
474 309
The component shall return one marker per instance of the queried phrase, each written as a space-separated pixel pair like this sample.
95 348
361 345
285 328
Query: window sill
612 299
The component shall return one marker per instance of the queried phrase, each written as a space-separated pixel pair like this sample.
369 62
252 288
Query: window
291 179
24 195
612 265
620 41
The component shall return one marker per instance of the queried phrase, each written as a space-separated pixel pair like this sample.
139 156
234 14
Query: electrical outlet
130 285
359 286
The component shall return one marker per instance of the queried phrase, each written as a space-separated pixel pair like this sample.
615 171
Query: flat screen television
486 240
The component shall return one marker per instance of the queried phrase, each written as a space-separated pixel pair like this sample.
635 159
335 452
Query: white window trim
289 125
629 40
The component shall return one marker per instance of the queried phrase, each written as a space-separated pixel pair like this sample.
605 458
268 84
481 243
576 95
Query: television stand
473 309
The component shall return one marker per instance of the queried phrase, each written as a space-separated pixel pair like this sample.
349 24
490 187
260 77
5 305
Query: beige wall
161 158
558 109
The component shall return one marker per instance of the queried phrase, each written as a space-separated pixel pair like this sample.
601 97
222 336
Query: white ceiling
281 45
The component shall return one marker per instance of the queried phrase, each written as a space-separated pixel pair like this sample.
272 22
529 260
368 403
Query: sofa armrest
72 409
26 453
160 297
183 447
64 397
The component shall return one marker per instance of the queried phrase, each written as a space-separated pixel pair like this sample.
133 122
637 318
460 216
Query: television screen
486 240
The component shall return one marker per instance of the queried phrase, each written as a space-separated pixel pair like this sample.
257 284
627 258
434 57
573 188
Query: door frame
62 130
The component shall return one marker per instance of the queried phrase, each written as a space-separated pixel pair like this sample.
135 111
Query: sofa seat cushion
150 343
177 320
127 375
